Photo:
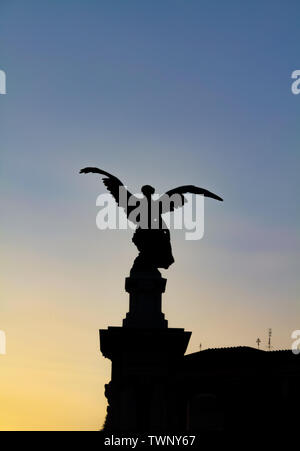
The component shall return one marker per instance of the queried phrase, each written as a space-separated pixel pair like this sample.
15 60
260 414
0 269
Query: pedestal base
141 392
145 291
145 354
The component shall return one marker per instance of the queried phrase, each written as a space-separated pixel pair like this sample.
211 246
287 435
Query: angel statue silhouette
151 236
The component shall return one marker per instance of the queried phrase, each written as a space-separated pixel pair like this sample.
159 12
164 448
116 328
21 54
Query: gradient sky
162 92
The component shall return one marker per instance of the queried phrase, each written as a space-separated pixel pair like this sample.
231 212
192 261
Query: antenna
258 341
269 341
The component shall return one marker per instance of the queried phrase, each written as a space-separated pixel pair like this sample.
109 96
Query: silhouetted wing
114 186
179 199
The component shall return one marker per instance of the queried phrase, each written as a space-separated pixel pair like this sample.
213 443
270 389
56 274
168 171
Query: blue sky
161 92
202 86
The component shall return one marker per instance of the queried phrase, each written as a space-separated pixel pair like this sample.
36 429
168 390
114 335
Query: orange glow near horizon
53 374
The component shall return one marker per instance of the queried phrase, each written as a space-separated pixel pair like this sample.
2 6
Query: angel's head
147 190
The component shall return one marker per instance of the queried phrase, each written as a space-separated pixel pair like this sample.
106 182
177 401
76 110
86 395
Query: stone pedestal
145 291
144 354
